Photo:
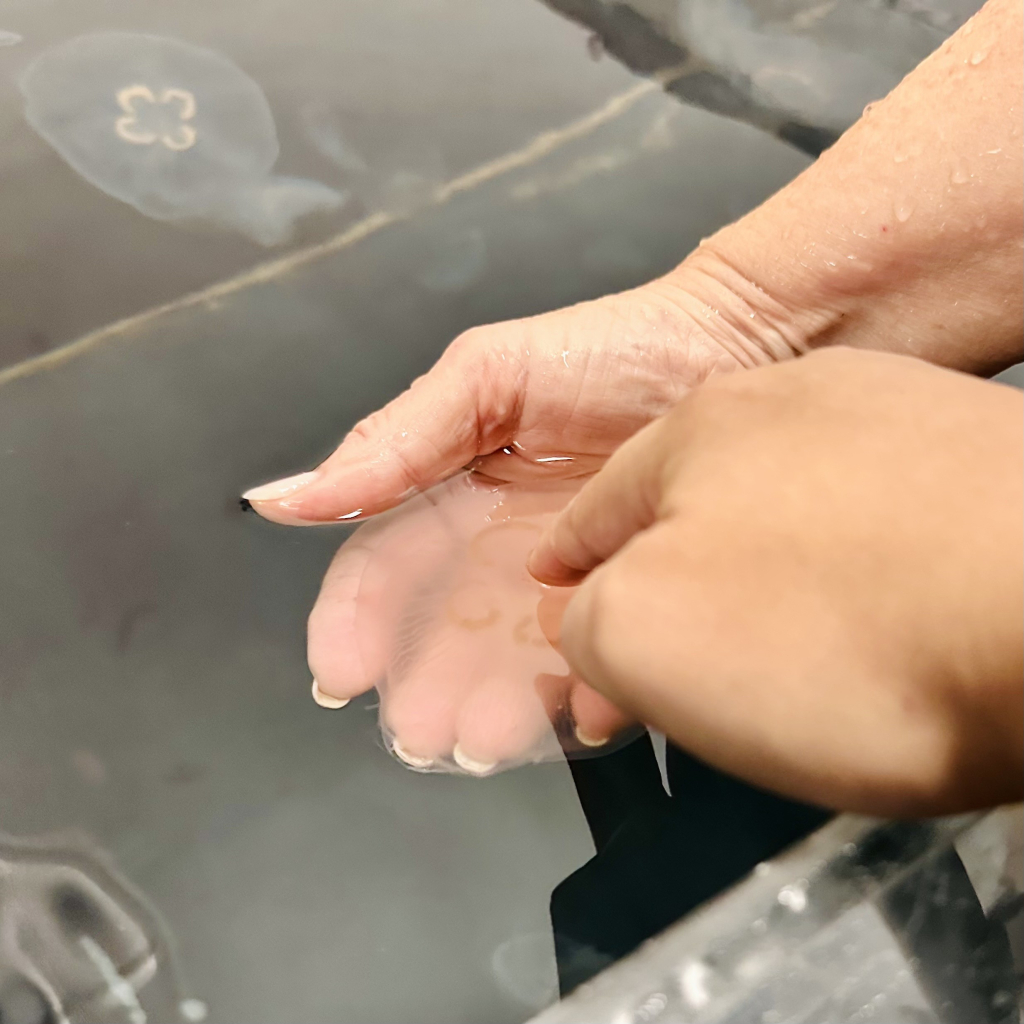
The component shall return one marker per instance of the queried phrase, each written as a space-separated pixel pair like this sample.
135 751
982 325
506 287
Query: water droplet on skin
693 983
793 897
958 176
980 221
978 56
900 158
861 265
994 152
903 213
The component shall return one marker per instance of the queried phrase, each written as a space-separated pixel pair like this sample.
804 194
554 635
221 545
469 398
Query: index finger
620 501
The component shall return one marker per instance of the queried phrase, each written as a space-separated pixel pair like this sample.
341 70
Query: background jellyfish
175 130
456 261
78 942
821 62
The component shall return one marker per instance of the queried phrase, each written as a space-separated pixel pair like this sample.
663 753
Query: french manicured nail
281 488
325 700
591 741
410 759
471 764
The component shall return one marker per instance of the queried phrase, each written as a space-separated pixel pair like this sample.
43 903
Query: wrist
952 299
750 317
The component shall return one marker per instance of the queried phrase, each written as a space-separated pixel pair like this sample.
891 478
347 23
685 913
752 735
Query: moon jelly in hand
177 131
461 640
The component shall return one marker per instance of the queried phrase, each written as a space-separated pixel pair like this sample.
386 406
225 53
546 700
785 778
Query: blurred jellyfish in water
177 131
456 261
822 63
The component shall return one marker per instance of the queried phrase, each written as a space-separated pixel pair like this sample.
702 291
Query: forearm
905 236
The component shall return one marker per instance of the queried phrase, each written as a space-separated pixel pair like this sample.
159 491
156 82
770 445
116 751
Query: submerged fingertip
591 741
326 700
412 760
471 764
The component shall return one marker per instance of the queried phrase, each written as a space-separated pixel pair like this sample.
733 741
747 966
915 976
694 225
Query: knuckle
729 400
468 344
367 429
702 409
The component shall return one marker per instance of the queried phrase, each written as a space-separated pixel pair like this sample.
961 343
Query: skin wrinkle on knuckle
495 395
363 430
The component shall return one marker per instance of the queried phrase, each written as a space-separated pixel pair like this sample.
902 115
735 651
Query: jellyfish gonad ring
128 127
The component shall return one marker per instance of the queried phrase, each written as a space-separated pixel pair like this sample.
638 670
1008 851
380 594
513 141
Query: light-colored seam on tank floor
538 147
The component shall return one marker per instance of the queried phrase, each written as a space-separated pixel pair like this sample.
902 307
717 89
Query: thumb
620 501
466 405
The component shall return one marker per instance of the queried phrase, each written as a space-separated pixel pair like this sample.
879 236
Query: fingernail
410 759
591 741
325 700
470 764
281 488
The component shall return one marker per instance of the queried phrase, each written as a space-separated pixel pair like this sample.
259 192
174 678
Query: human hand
810 576
548 396
851 252
532 402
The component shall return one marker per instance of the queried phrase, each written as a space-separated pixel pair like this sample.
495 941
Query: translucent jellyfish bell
177 131
464 642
